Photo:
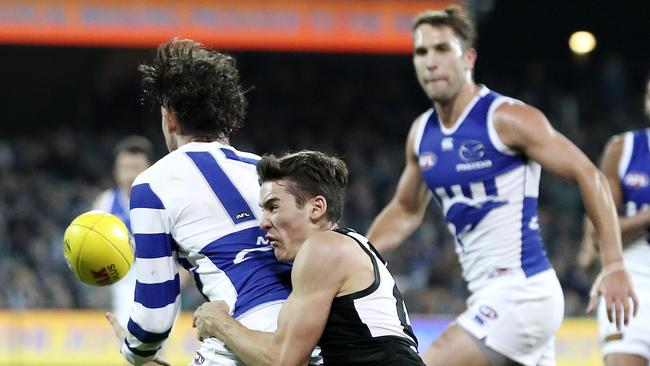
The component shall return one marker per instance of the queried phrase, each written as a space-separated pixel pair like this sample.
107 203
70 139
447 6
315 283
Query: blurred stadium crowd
55 159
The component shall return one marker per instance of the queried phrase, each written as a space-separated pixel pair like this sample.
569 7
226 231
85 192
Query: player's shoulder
326 247
616 144
244 154
421 118
157 171
326 252
417 128
510 109
617 141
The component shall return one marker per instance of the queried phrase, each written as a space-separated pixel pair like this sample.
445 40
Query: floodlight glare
582 42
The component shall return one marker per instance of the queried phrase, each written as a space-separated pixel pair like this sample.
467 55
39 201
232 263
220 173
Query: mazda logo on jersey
471 150
427 160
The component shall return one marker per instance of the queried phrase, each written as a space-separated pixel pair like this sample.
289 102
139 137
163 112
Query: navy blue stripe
260 279
233 156
143 197
227 193
153 245
157 295
533 257
467 192
490 187
144 336
449 192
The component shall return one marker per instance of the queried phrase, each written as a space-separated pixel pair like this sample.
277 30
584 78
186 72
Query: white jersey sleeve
157 290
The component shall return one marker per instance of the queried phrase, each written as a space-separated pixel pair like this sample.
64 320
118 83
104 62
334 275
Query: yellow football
98 248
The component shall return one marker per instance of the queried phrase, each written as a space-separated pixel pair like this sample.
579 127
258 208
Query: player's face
286 224
127 167
647 99
441 64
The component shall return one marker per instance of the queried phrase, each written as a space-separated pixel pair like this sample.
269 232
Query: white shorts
263 318
633 338
517 316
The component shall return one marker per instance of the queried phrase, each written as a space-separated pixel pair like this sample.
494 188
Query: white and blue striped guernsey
634 171
198 206
634 176
487 191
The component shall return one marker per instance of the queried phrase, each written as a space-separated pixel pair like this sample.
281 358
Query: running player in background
198 206
344 299
479 154
133 155
626 163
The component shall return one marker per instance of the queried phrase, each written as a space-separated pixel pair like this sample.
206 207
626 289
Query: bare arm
301 320
526 129
404 213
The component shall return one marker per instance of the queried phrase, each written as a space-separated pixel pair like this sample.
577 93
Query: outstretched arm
526 129
316 278
157 292
404 213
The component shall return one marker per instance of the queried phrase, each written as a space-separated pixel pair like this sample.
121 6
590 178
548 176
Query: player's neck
449 111
186 139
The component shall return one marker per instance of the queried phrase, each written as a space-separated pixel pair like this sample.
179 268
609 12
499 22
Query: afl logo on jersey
471 150
635 180
427 160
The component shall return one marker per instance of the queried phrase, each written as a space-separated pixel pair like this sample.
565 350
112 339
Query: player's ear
470 57
170 121
318 208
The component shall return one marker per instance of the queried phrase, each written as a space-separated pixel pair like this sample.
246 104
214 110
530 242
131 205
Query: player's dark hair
309 174
135 145
452 16
198 85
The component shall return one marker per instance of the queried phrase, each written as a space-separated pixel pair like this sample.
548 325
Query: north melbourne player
344 299
479 154
198 205
625 162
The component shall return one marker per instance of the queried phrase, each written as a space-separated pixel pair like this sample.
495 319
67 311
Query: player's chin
282 255
279 253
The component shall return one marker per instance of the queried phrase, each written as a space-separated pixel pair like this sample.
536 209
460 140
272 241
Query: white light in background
582 42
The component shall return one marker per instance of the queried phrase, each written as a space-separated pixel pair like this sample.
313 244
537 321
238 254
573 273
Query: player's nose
265 223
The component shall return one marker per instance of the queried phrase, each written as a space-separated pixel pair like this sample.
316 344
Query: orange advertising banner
379 26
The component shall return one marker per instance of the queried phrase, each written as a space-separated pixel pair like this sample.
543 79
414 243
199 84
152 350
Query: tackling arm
301 320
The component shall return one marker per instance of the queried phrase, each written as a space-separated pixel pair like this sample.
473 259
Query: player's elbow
271 357
588 173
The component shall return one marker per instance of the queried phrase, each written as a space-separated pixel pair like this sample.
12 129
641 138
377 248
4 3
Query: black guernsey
373 331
